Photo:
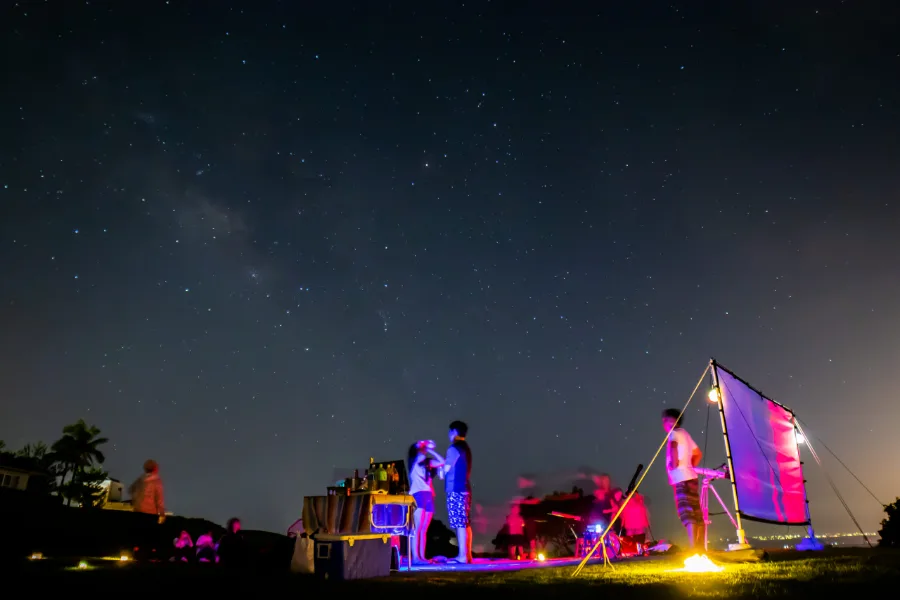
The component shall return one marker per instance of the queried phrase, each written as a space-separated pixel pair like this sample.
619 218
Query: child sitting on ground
184 547
206 549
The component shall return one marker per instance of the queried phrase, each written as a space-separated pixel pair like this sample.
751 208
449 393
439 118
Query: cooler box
345 557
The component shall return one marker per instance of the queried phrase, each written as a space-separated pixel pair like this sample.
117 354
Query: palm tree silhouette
44 460
77 450
37 451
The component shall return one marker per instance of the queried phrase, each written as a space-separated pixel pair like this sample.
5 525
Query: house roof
17 470
20 464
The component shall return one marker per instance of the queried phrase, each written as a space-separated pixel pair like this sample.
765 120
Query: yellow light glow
541 557
124 558
36 556
700 563
713 396
83 565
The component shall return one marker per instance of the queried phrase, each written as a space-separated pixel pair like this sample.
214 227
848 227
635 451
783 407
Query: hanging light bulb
713 396
799 437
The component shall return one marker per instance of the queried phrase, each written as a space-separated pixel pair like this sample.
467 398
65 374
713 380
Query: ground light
123 556
83 565
541 557
36 556
700 563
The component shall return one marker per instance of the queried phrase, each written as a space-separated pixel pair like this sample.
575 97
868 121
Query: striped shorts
687 501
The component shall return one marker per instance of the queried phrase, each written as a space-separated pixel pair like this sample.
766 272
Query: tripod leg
704 511
725 508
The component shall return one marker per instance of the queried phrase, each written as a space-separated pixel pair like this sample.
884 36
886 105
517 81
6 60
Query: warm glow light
541 557
713 396
36 556
83 565
123 558
700 563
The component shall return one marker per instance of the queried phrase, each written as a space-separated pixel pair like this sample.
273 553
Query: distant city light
798 536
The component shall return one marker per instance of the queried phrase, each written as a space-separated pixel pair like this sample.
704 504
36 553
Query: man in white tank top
682 455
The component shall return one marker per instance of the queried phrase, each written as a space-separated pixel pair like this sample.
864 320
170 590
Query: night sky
260 242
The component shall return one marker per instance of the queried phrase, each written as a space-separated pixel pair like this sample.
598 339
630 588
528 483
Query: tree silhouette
87 489
43 460
890 527
77 452
439 539
36 452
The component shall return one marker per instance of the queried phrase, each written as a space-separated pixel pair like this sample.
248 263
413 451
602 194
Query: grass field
860 573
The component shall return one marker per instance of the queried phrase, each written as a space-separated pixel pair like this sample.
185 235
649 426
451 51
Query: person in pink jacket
147 492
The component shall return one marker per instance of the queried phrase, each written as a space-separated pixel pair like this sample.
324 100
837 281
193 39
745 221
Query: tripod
710 475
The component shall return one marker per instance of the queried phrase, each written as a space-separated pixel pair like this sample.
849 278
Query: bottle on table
381 477
395 481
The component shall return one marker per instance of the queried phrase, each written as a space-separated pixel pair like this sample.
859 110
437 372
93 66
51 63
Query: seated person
206 548
232 548
615 503
184 547
599 513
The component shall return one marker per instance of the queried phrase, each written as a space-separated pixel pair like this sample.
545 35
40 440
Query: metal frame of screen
718 367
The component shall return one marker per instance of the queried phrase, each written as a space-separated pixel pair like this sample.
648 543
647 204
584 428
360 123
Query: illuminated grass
857 574
828 573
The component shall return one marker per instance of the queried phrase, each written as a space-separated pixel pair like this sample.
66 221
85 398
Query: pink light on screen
767 471
790 472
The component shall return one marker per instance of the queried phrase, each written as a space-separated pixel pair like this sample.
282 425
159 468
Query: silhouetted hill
38 523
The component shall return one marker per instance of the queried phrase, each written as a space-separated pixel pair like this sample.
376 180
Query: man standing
147 492
458 470
682 455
